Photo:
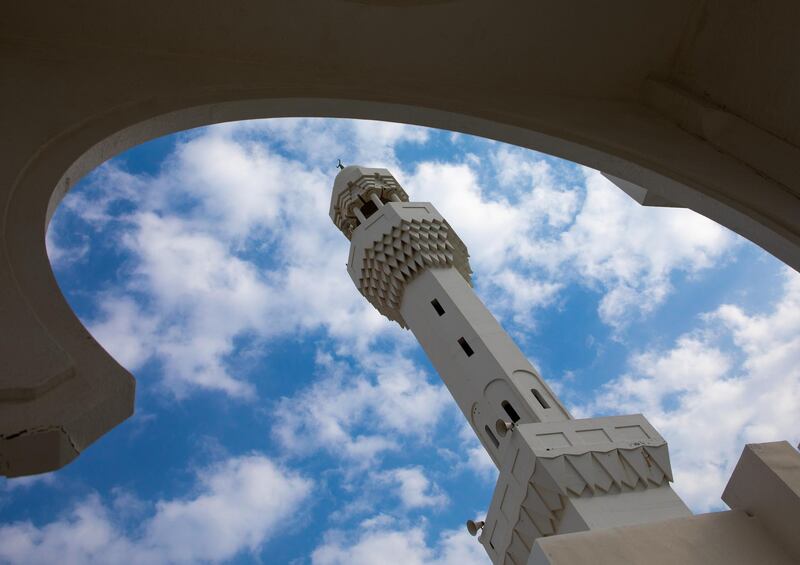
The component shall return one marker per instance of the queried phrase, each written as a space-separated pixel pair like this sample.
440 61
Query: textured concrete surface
762 527
766 484
724 538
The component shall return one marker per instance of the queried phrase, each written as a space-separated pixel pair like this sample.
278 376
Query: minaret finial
340 166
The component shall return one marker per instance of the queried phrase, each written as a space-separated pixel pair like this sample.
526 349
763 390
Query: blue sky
280 419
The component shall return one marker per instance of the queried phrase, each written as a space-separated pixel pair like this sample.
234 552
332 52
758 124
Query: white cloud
632 251
230 238
320 142
238 506
225 201
518 295
357 417
709 399
198 298
492 226
378 542
413 488
108 185
125 331
61 256
530 239
193 260
204 296
477 459
517 171
17 483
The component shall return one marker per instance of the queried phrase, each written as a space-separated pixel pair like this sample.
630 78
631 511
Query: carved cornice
400 255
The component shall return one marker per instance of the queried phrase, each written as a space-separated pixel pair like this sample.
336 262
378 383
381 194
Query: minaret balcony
577 475
394 245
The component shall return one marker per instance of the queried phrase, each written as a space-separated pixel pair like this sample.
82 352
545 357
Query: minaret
557 474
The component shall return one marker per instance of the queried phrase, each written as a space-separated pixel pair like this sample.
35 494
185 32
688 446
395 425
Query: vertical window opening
369 208
465 346
540 398
491 437
510 411
437 307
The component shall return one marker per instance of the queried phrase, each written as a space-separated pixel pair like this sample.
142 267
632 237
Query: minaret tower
557 474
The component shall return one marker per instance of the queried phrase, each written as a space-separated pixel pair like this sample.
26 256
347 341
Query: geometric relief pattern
589 474
400 255
598 472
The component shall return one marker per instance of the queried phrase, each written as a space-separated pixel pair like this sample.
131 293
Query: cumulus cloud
632 252
708 399
125 331
231 237
491 225
352 415
413 487
518 295
205 296
320 142
18 483
228 239
477 459
61 256
237 506
382 541
537 233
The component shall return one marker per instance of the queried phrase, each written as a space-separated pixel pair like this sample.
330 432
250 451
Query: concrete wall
762 527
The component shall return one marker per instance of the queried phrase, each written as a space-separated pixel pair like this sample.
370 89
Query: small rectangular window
465 346
540 398
437 307
491 436
510 411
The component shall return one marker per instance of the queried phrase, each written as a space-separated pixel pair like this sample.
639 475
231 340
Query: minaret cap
352 189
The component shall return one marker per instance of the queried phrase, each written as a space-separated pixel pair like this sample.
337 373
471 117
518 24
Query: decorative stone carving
401 254
353 188
551 473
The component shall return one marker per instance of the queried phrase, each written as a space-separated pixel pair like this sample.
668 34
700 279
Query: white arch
638 97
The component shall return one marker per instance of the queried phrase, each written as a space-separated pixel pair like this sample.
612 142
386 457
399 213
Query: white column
376 200
358 214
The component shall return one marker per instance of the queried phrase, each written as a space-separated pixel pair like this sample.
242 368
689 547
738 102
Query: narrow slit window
437 307
510 411
540 398
491 436
465 346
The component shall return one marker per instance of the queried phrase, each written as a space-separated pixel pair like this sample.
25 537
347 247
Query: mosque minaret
557 474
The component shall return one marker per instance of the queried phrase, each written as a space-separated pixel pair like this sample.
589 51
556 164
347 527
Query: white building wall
495 373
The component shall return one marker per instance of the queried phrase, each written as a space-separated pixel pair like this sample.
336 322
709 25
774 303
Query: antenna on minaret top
340 166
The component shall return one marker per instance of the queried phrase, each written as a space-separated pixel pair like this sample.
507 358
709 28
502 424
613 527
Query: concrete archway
635 91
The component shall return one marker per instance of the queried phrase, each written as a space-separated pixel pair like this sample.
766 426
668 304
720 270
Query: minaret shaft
496 381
